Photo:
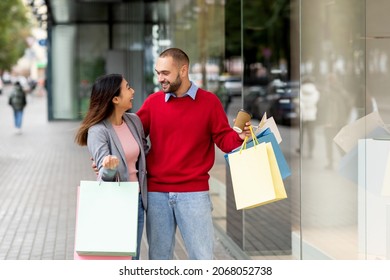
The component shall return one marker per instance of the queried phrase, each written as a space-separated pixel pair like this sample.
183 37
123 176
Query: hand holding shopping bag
268 136
107 219
256 177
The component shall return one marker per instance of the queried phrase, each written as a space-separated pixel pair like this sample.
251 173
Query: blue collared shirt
191 93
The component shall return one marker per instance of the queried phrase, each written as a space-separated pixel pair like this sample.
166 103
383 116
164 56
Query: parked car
229 87
278 99
285 108
256 101
233 85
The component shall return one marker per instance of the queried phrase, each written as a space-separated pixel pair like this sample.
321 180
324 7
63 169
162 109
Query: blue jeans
141 219
191 212
18 116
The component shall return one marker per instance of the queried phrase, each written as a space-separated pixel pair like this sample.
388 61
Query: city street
40 171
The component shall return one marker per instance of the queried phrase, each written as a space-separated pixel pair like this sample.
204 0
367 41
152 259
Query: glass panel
374 154
269 87
210 32
91 61
264 56
79 11
332 84
127 56
198 28
128 12
63 53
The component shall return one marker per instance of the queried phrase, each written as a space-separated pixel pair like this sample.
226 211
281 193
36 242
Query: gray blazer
102 141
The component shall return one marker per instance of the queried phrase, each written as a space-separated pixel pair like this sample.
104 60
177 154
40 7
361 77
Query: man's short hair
177 54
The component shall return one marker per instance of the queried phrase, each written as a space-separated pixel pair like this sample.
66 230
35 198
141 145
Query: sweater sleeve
144 115
223 134
98 146
141 133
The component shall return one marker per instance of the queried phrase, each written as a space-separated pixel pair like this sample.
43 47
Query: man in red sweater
183 123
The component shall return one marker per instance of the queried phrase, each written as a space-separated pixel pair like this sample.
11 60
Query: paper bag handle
116 179
255 141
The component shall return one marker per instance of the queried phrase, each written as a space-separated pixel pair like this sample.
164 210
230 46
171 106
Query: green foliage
91 68
13 32
265 25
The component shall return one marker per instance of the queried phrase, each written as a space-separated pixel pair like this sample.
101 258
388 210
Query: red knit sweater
182 133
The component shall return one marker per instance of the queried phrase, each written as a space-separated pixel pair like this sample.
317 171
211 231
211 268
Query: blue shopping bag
268 137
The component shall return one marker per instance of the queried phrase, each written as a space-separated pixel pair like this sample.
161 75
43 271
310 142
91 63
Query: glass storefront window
342 207
330 37
92 45
315 66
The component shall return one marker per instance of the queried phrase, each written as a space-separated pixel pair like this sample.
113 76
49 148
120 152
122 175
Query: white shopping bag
271 124
347 138
107 218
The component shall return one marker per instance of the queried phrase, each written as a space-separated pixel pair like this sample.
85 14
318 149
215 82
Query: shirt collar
191 93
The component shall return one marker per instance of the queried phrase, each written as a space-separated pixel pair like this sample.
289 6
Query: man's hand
246 132
94 167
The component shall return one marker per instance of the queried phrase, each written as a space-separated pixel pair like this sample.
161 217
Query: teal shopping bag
107 218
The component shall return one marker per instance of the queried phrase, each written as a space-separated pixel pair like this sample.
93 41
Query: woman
115 138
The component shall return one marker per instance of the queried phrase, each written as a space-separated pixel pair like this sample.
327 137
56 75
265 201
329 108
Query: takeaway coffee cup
242 118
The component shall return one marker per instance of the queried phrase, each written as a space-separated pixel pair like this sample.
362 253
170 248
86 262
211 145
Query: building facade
258 55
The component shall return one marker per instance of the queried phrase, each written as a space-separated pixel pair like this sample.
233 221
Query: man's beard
173 86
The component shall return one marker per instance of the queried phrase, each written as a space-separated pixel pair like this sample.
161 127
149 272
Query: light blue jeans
141 219
191 212
18 116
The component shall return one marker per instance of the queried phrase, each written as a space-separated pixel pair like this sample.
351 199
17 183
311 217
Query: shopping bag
267 136
271 124
76 256
107 218
386 179
348 164
256 177
348 136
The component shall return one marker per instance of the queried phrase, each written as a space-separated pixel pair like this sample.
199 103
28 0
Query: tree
265 26
13 32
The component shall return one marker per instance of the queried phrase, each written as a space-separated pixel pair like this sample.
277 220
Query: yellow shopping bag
256 177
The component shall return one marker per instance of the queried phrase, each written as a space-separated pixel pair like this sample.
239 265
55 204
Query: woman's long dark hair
101 107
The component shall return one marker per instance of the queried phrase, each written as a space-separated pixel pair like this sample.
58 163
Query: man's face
168 74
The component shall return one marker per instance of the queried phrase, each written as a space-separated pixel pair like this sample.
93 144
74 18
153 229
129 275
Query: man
184 123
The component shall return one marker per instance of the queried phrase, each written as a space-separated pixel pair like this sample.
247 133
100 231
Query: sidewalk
40 170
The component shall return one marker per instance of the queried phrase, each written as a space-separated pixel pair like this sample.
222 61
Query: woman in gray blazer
115 138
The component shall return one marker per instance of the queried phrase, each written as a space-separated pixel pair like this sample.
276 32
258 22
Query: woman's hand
110 162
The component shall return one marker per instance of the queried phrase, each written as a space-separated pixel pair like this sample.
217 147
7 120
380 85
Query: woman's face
126 96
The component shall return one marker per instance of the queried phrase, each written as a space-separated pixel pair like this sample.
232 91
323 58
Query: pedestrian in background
1 86
336 107
18 101
309 97
115 138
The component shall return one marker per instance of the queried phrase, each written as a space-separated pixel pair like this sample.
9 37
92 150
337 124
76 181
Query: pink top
130 148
